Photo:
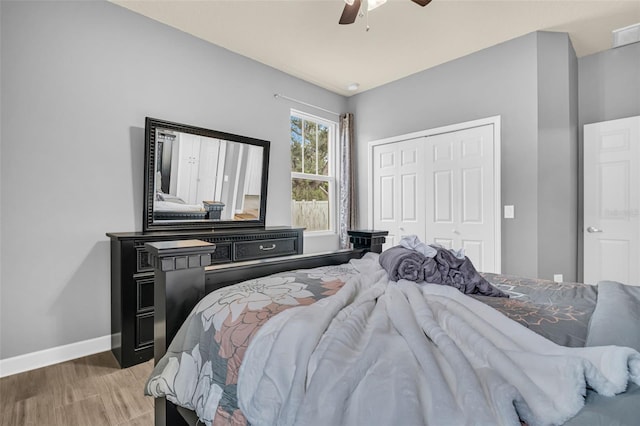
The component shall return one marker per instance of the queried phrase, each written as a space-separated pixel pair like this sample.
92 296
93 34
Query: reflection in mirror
201 178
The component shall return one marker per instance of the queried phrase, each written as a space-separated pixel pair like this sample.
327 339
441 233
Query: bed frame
183 276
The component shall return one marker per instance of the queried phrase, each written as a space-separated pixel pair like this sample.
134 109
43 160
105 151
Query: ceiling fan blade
422 3
350 12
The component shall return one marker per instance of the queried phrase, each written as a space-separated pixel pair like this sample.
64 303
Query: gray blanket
461 274
445 268
402 263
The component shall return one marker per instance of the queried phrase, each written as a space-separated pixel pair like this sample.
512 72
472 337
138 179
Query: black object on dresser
132 276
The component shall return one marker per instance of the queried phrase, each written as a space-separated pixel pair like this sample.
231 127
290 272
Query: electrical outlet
558 278
509 212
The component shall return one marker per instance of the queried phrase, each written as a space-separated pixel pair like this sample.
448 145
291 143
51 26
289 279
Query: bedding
438 266
403 263
172 206
202 366
200 369
161 196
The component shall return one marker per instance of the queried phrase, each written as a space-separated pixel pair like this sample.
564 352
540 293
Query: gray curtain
347 193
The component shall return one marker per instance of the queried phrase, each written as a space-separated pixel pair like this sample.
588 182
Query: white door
399 199
187 173
207 176
443 186
462 207
612 201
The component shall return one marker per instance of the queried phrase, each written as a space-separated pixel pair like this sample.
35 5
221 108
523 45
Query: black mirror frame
148 225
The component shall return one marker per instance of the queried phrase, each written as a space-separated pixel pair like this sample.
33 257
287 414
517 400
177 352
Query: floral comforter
200 368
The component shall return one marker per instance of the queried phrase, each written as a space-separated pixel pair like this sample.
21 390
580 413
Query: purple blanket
445 268
402 263
461 274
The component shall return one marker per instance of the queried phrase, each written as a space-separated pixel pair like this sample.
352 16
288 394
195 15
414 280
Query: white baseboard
33 360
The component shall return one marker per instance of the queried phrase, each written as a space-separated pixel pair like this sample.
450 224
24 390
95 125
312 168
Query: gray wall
609 86
608 89
78 79
502 80
557 156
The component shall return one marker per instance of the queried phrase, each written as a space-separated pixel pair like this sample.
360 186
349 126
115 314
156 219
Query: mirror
197 178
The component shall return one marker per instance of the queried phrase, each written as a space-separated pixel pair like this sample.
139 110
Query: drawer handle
263 248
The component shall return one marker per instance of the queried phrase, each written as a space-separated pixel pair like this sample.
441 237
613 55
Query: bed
534 357
170 207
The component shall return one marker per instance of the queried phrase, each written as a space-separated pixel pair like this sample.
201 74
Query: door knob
591 229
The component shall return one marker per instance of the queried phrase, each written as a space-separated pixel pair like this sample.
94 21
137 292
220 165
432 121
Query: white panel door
188 163
461 212
398 195
612 201
207 176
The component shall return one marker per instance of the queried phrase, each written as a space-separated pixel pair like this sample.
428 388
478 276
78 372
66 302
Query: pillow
616 316
170 198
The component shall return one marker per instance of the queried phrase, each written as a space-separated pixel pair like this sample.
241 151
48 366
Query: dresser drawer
222 253
260 249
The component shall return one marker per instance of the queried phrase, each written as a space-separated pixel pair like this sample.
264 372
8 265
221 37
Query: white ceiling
303 38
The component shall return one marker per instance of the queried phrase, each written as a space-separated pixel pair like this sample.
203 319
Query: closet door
444 186
188 154
208 175
460 188
398 189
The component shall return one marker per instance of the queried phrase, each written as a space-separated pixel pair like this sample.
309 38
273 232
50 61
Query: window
312 172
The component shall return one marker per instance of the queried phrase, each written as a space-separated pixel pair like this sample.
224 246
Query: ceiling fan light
372 4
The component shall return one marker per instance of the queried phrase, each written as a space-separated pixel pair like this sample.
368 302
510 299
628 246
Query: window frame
332 172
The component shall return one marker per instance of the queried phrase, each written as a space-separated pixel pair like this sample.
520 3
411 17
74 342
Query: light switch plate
558 278
509 212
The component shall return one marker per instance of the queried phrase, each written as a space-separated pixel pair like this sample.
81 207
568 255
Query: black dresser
132 276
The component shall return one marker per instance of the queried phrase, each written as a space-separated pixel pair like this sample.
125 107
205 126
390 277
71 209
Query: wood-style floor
89 391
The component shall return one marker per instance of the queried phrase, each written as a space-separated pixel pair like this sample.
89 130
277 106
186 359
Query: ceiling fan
352 8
